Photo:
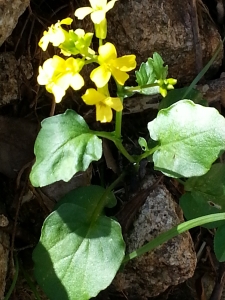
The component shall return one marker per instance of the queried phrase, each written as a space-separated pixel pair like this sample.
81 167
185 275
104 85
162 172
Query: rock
10 76
4 254
169 264
177 31
10 11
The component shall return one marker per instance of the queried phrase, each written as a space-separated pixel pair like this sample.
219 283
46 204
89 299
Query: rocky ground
186 35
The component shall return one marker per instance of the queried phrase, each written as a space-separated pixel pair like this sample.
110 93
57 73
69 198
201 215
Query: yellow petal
58 63
80 32
48 67
77 82
97 16
58 92
103 113
107 52
114 103
57 37
44 41
42 78
92 97
63 80
100 76
74 64
125 63
119 76
110 5
82 12
66 21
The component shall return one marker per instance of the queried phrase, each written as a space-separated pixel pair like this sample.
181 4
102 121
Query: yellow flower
97 10
166 84
111 65
55 34
103 102
58 74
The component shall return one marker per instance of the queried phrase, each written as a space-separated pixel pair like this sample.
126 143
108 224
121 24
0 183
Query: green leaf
64 146
219 245
174 96
212 183
149 73
143 144
205 194
161 72
197 204
80 249
191 137
84 195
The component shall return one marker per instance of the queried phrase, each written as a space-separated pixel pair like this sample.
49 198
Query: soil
26 208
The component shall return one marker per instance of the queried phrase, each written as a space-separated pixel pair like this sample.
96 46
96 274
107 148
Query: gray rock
10 11
183 34
11 77
169 264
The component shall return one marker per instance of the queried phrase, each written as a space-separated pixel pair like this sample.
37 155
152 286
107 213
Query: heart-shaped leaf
198 204
64 146
80 249
190 136
205 195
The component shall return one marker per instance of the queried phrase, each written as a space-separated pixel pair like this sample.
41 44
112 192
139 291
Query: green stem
118 124
12 287
102 201
147 153
100 42
119 114
164 237
180 181
139 88
117 142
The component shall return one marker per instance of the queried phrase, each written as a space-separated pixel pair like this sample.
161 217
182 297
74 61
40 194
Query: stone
11 77
184 35
169 264
10 11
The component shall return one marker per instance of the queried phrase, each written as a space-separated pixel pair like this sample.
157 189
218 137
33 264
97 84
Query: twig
219 285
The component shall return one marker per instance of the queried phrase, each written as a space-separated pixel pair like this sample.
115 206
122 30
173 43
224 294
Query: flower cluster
166 84
98 11
58 74
104 103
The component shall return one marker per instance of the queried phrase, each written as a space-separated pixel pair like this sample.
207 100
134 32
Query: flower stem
165 236
100 42
117 141
138 88
118 122
119 114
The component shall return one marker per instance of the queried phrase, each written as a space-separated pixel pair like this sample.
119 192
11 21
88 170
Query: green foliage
176 95
64 146
80 249
188 142
205 194
153 73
